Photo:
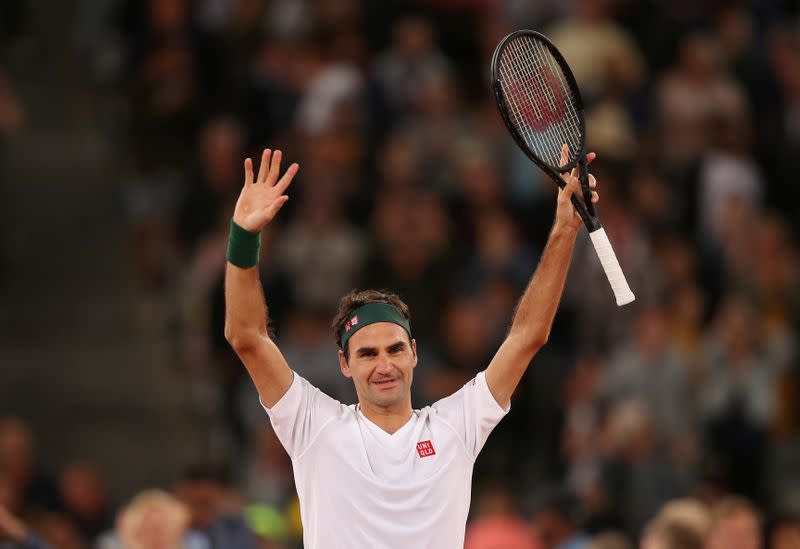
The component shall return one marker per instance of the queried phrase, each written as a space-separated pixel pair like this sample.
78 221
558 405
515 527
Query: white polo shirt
362 488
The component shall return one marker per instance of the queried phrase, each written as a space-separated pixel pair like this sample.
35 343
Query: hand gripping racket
541 106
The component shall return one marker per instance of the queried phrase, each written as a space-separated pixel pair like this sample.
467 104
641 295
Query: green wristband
243 247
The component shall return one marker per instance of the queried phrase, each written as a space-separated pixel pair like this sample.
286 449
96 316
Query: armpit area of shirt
291 392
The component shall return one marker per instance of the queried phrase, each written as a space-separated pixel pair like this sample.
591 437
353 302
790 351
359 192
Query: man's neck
389 419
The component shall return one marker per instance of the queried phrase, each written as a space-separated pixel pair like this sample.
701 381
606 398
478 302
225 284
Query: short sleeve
472 412
300 415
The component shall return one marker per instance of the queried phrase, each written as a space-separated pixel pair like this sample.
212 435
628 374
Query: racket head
539 100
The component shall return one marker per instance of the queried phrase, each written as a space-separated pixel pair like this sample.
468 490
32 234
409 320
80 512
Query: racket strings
540 100
556 71
552 130
541 88
524 107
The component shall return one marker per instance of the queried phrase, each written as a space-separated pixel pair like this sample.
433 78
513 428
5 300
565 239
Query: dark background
122 129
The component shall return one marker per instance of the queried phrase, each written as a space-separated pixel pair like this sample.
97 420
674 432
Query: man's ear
414 351
343 365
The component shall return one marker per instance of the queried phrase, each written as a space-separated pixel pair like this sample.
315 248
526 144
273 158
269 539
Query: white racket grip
608 260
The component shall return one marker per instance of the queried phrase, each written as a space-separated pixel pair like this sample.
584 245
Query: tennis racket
541 107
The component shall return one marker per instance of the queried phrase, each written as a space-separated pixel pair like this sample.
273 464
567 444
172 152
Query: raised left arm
537 308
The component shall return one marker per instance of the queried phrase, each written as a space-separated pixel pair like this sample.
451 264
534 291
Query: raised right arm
245 307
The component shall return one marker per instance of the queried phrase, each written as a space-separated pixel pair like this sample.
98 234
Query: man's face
381 364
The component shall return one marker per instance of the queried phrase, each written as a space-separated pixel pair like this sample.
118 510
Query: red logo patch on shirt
425 449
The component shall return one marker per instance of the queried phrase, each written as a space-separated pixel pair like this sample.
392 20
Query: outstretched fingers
284 182
269 170
248 171
274 168
263 168
272 210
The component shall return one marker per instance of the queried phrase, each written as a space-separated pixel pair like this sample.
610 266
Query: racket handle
608 260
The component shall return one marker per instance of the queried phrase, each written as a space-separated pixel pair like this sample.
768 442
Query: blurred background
123 125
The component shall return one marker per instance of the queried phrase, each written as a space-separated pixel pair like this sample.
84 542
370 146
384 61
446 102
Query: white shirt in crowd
362 488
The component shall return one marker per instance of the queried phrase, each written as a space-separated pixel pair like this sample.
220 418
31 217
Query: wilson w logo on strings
539 99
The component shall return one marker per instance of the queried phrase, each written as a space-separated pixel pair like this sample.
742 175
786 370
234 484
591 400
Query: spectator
27 486
14 534
412 58
213 184
738 404
735 524
267 474
691 513
497 523
600 53
690 97
667 535
610 540
600 325
784 532
556 520
650 371
306 339
321 235
215 510
84 499
152 520
175 72
12 114
581 442
58 531
272 92
11 120
636 472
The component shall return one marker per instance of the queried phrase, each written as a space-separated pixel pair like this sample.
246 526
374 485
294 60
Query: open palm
262 198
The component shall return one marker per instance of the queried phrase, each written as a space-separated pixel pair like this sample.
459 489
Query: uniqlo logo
425 449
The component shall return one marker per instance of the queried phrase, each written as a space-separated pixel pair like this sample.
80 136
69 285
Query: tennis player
380 474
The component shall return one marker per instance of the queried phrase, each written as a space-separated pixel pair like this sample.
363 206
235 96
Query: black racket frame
585 208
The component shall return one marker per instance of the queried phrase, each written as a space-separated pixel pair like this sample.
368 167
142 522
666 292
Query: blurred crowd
12 17
670 423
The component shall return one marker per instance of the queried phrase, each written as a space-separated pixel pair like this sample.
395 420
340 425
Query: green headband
370 314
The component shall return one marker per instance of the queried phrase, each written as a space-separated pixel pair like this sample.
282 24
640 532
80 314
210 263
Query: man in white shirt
380 474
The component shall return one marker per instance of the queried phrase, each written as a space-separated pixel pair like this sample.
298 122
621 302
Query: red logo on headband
350 323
